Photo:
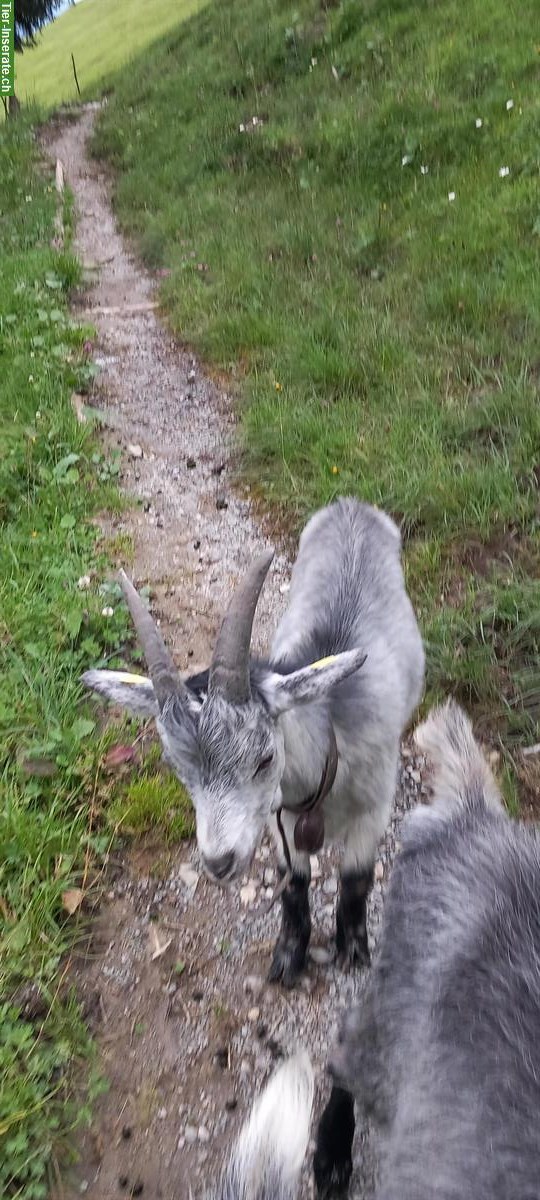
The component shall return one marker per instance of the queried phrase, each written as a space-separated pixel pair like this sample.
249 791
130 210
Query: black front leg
332 1164
351 919
291 947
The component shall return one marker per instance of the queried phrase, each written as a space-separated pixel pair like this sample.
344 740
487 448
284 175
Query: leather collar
309 828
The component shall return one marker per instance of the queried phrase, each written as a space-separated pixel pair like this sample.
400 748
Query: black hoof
353 951
351 921
288 962
332 1162
291 948
331 1178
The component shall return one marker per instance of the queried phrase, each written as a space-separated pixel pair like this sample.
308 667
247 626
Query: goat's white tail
266 1161
461 772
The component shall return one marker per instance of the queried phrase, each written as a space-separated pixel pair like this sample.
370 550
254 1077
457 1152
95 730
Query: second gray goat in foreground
306 741
443 1053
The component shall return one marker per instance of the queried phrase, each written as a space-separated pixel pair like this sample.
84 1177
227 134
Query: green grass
101 35
146 801
154 804
52 627
384 337
49 629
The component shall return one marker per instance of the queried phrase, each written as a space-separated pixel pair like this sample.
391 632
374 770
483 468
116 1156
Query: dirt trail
185 1038
154 396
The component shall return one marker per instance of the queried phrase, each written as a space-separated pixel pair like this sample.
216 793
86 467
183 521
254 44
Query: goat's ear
282 692
133 692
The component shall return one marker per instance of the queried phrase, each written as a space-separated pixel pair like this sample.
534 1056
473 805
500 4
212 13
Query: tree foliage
30 17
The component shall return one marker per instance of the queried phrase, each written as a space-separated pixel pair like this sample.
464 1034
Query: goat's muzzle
221 869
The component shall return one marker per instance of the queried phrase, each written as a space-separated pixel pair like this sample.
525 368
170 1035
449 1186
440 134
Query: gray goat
444 1051
267 1157
306 740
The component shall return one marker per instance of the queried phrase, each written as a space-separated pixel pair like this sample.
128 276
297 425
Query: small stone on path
248 893
188 876
254 984
320 955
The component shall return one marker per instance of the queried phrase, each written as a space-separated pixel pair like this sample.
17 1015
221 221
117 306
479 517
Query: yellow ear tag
126 677
322 662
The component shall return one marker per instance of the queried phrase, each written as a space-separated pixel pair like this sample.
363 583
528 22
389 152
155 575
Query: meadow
344 198
101 36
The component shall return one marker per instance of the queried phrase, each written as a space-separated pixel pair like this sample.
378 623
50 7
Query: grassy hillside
101 34
346 198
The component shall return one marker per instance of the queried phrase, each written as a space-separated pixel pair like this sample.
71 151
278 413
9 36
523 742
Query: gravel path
173 976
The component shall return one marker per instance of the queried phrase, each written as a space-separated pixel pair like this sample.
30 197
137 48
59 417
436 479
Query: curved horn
229 670
163 673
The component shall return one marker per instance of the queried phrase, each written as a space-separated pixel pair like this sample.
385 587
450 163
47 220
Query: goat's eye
264 763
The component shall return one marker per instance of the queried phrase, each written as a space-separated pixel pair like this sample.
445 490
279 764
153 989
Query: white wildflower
479 122
407 158
83 583
314 62
242 128
451 196
107 611
424 170
509 105
28 199
504 171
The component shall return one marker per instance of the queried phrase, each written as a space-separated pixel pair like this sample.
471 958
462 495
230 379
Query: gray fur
444 1052
347 599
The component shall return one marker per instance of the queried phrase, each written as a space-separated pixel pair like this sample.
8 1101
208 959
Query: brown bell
309 832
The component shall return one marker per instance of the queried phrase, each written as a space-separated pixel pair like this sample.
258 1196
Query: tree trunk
14 106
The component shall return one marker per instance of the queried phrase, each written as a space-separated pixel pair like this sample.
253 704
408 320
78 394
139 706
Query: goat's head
227 746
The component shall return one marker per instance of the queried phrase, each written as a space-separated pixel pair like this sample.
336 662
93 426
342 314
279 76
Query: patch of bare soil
528 773
173 972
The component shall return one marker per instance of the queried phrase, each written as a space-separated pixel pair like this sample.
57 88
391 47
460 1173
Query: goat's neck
306 733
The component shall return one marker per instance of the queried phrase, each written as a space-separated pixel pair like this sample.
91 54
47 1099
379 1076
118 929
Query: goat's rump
466 1043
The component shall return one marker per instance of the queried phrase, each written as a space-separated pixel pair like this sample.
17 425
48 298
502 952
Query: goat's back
348 590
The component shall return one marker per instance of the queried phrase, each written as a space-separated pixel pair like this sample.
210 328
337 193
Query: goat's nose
220 867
